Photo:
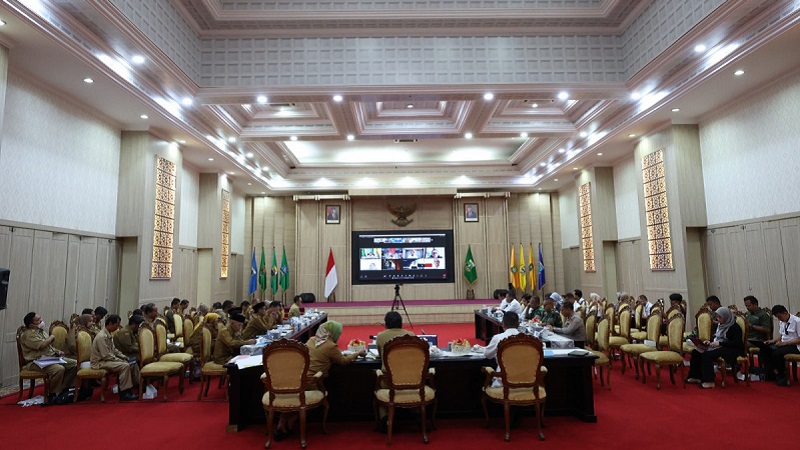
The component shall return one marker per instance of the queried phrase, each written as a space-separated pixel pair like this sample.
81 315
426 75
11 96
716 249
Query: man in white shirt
789 343
579 301
510 325
512 305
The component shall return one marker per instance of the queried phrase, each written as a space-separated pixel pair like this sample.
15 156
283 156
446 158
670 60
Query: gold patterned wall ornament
226 232
656 211
585 197
164 219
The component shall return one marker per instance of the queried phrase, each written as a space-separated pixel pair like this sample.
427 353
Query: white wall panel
568 204
60 164
190 200
750 156
626 199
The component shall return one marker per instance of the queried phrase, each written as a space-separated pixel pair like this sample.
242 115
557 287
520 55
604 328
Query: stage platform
420 311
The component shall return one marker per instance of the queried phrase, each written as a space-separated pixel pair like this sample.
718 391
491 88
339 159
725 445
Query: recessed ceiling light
468 135
292 138
540 189
555 179
535 105
88 80
523 135
265 169
739 72
231 139
699 48
2 22
187 101
350 137
144 116
574 168
563 95
488 96
676 109
636 96
632 135
181 141
561 150
582 134
409 106
249 184
210 159
599 154
249 154
261 99
137 59
542 164
337 98
262 192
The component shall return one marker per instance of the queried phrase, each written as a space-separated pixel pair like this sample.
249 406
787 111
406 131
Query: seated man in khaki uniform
35 344
230 339
258 322
394 328
126 339
106 356
274 314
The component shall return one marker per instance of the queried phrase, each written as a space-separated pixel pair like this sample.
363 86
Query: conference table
458 384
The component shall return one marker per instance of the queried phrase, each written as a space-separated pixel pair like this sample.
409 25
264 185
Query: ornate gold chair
161 348
705 327
624 331
637 315
408 381
790 361
59 330
209 368
151 368
286 386
603 351
671 358
634 351
177 321
84 354
663 341
753 351
743 361
591 330
27 374
73 318
519 358
611 313
188 330
622 306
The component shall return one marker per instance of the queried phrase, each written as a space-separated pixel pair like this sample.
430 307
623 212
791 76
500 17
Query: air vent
282 105
405 141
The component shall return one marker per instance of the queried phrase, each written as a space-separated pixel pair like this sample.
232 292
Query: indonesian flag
330 275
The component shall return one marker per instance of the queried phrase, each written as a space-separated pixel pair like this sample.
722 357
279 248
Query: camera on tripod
396 289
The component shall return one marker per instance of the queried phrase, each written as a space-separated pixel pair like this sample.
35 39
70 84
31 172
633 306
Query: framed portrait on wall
332 214
471 213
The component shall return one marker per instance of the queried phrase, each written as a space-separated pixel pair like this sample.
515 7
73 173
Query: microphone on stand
423 330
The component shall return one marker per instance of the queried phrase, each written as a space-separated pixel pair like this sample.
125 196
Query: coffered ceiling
464 95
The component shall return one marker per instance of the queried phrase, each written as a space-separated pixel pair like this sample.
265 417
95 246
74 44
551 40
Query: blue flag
253 275
541 278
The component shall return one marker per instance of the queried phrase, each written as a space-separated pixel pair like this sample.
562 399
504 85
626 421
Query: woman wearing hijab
323 352
727 344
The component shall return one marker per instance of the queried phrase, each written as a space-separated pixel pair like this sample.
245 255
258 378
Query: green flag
262 271
469 267
273 280
284 272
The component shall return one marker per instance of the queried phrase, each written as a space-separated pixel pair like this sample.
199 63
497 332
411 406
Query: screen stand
398 303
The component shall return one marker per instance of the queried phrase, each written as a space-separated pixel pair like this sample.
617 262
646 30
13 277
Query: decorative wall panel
226 233
656 211
585 199
164 220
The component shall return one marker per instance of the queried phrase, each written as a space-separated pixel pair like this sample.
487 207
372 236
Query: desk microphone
423 331
372 337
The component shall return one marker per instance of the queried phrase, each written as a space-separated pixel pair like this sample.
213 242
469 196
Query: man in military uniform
258 323
106 356
35 343
230 339
551 315
126 339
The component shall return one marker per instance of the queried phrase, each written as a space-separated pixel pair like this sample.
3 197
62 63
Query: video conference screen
393 257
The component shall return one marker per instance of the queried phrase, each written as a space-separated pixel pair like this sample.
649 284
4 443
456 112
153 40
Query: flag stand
332 298
470 293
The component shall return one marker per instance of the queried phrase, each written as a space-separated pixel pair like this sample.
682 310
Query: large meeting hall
424 157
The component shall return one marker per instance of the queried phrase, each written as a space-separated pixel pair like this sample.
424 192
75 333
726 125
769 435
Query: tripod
398 303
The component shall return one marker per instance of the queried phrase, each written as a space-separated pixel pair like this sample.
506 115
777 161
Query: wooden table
458 389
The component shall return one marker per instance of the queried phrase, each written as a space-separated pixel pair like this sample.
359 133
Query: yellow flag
513 270
523 275
531 268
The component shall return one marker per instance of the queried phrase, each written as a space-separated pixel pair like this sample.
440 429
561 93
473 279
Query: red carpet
630 415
